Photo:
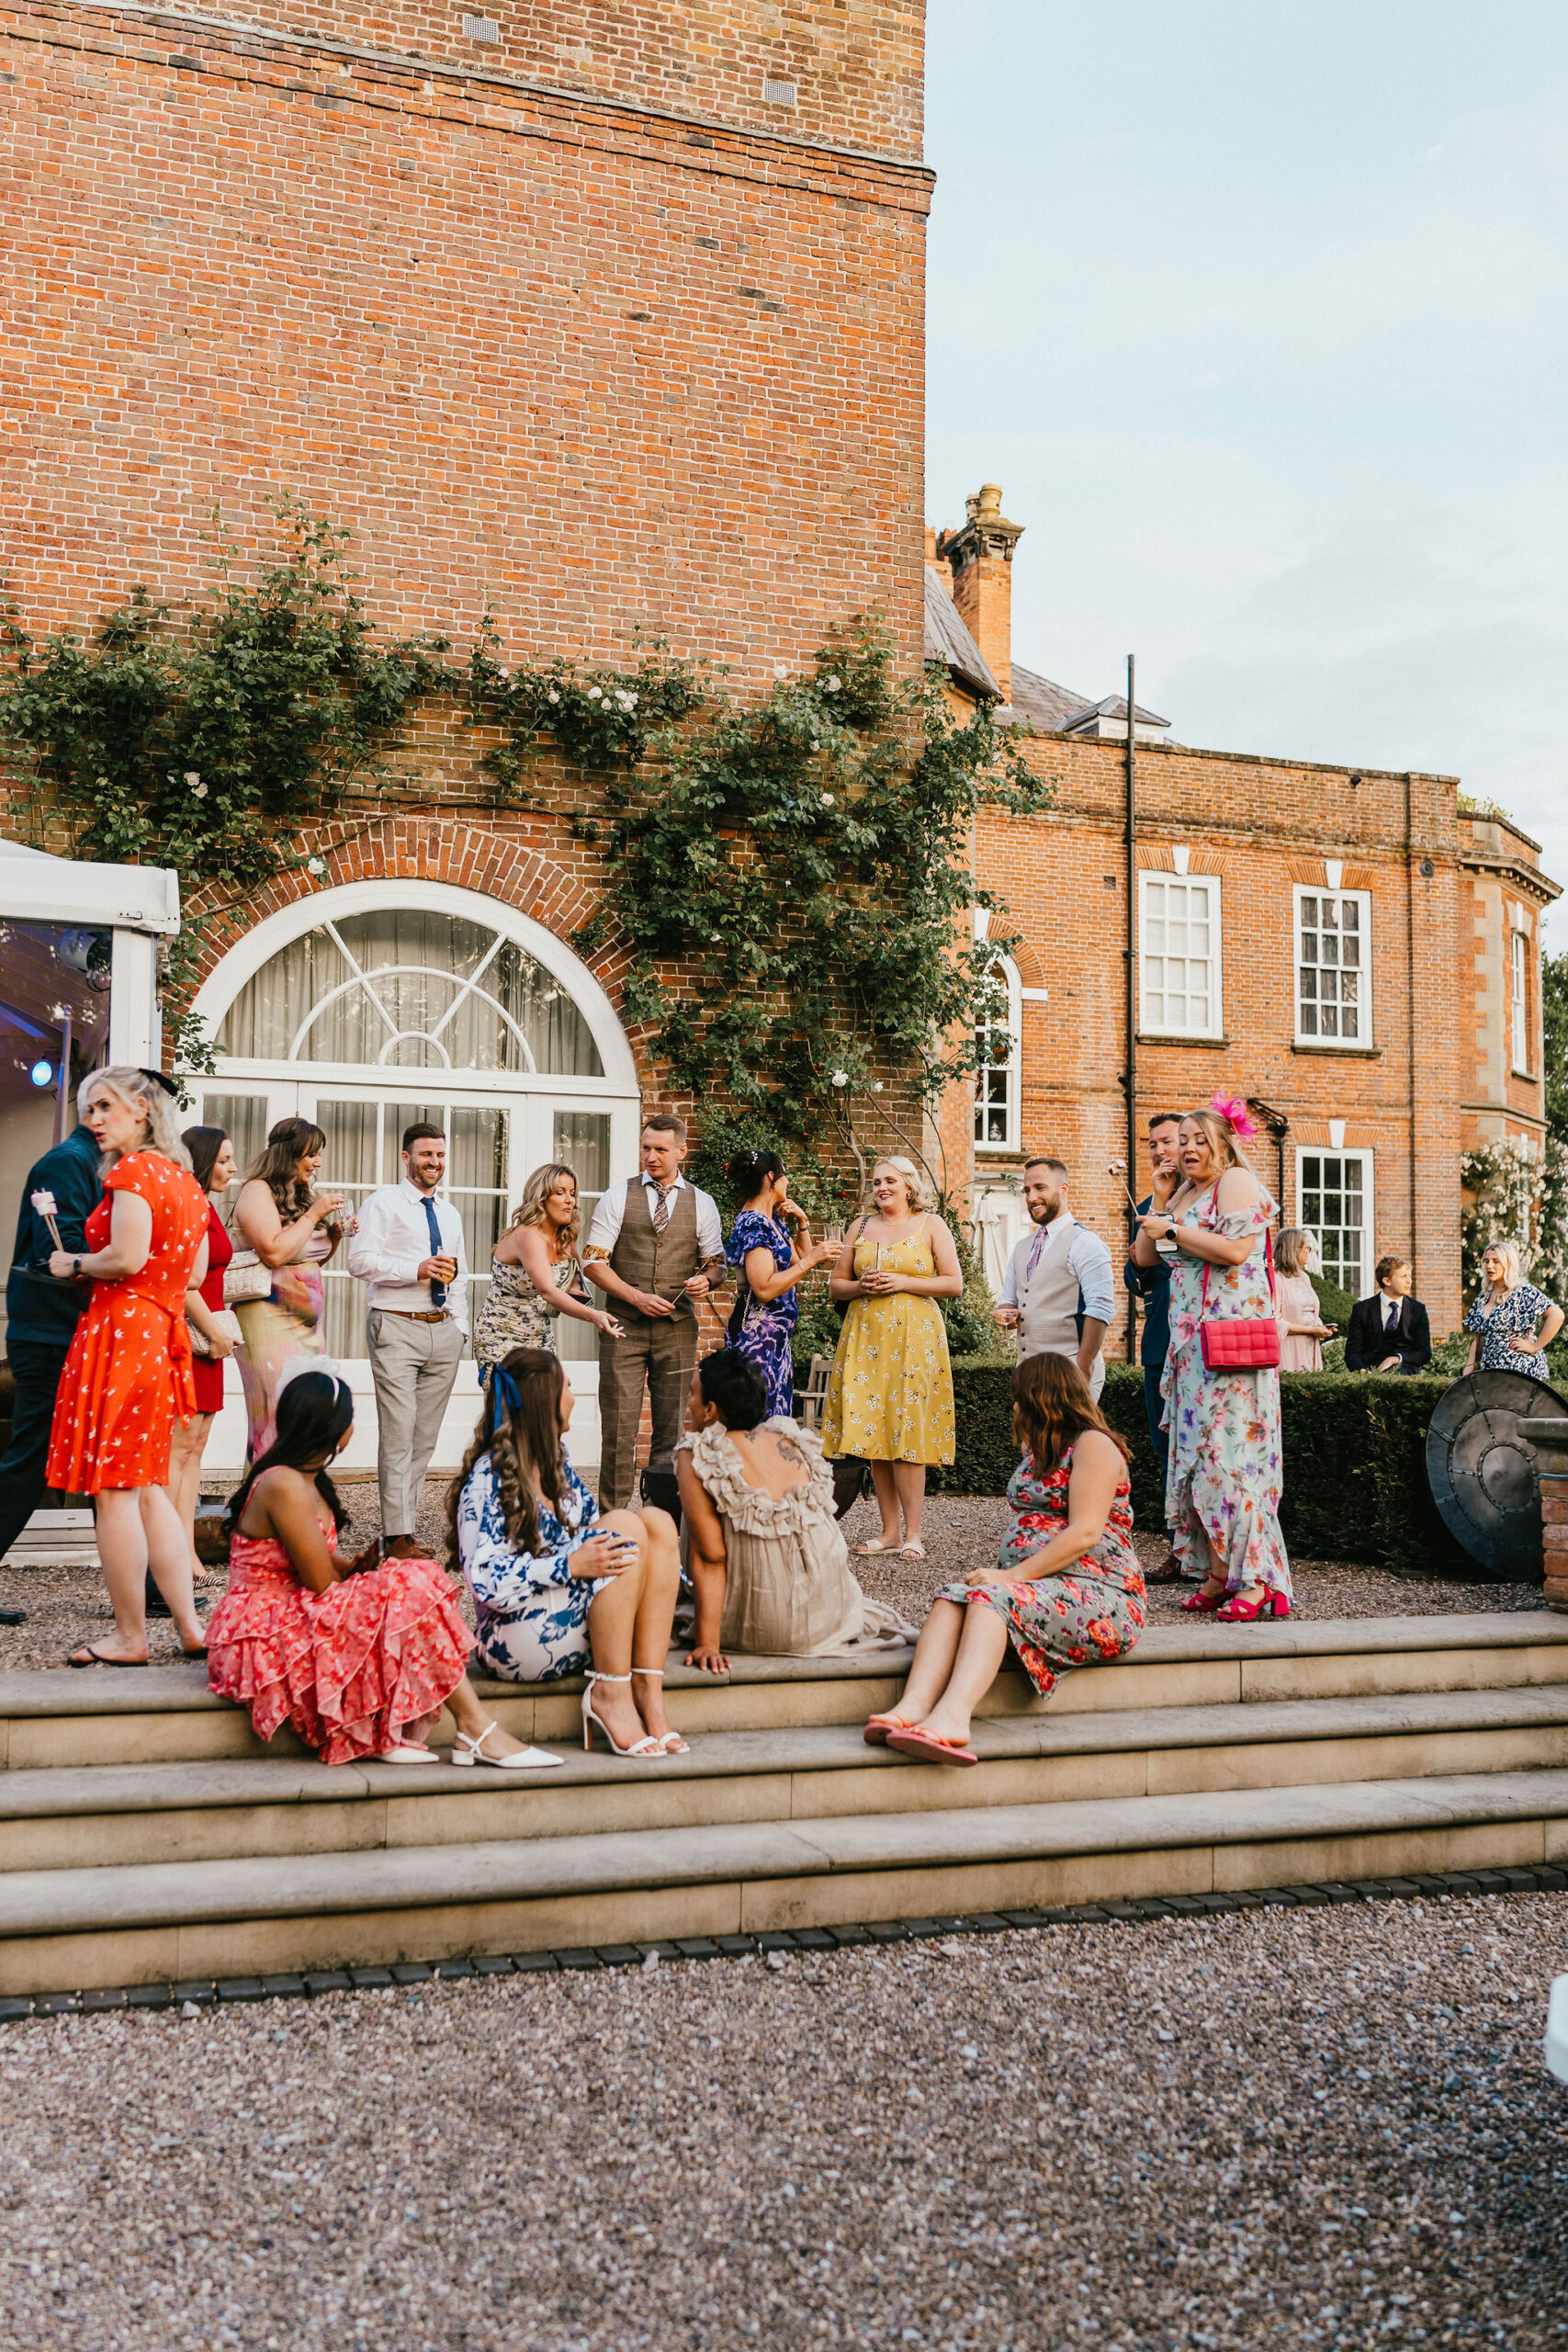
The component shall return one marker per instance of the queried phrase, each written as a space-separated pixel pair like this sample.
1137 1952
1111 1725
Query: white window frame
1210 883
1363 1042
1519 1000
1011 1071
1369 1202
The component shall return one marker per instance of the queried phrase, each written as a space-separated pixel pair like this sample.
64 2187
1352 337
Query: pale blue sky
1255 309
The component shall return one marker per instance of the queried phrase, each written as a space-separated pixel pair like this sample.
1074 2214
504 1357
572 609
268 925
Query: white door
378 1010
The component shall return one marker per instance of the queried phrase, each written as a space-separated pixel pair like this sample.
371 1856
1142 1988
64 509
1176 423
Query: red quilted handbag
1236 1343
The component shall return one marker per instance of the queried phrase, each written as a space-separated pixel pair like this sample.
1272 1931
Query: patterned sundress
346 1668
890 1395
1091 1612
1500 1323
762 1331
1224 1473
530 1612
516 1315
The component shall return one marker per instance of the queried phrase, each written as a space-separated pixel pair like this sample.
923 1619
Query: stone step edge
778 1945
72 1792
54 1691
121 1898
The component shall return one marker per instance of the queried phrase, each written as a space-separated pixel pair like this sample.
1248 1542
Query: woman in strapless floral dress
535 1273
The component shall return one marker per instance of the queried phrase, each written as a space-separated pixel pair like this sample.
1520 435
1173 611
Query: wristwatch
76 1269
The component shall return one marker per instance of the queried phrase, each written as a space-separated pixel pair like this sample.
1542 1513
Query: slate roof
948 639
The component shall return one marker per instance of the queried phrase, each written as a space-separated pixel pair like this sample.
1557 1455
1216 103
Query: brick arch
446 849
1030 970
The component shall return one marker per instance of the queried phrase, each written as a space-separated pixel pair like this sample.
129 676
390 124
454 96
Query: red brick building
1341 944
587 315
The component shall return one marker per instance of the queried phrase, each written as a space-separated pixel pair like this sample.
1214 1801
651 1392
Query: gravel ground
65 1606
1312 2127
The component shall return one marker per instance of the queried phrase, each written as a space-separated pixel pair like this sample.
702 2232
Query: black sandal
88 1655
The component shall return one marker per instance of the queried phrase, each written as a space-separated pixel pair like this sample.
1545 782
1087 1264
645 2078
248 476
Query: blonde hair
1293 1248
131 1087
914 1184
1513 1265
1224 1141
530 1209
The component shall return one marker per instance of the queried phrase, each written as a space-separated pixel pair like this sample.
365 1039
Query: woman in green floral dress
1067 1590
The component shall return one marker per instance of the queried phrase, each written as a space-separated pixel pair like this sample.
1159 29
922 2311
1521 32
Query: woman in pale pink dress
1302 1328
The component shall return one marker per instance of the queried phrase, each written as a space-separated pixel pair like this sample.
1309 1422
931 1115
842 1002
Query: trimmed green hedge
1355 1461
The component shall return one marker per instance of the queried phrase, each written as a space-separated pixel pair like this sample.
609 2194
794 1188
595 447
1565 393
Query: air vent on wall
778 94
480 28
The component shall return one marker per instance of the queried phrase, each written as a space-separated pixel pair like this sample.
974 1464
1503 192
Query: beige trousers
413 1365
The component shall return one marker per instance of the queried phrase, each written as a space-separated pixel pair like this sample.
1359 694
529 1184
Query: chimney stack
980 556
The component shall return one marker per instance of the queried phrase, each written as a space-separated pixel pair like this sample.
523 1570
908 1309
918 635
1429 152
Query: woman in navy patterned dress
1506 1318
558 1588
1067 1590
762 1326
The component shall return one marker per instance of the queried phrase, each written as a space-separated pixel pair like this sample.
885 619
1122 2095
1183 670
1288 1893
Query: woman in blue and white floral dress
558 1588
1225 1478
1514 1323
762 1326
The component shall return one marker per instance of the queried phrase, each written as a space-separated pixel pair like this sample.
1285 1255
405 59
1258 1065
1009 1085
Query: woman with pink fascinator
1222 1382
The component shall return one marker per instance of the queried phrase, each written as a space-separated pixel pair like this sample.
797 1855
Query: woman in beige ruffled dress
535 1273
768 1566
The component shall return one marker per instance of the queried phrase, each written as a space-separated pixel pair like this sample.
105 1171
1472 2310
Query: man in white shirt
656 1245
1059 1294
409 1249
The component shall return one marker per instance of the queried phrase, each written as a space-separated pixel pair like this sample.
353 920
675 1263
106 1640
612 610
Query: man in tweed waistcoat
656 1246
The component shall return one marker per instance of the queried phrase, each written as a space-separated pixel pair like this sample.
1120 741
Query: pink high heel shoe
1202 1602
1237 1611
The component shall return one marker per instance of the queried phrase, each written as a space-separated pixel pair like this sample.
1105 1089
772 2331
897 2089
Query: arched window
401 987
999 1081
371 1007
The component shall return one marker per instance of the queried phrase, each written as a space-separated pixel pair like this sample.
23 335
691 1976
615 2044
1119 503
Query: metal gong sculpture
1485 1476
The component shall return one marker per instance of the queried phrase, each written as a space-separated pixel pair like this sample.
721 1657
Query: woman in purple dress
762 1324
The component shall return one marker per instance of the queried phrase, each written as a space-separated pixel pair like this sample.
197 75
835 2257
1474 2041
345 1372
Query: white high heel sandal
672 1744
528 1759
645 1749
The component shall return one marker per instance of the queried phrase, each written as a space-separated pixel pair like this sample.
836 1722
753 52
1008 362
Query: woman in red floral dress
358 1661
129 1371
1067 1590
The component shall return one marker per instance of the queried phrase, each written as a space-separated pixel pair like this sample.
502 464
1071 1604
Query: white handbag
227 1322
245 1278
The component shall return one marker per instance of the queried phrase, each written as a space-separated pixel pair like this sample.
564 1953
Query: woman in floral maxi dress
1224 1476
1067 1590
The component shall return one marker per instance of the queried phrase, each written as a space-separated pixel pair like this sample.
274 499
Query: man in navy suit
1152 1285
1389 1333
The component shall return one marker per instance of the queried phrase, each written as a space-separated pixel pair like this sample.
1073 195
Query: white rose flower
552 696
596 693
877 1086
826 800
841 1078
193 777
315 866
830 685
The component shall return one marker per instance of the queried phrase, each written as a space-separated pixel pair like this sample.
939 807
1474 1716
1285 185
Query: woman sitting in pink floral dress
357 1659
1067 1588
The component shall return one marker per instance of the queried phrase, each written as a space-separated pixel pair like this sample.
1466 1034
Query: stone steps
146 1836
142 1814
177 1921
166 1714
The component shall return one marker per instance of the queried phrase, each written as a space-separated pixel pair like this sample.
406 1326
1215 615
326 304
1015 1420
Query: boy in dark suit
1389 1333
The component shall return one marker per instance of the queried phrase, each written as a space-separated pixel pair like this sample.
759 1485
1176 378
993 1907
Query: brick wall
1506 893
558 351
1263 827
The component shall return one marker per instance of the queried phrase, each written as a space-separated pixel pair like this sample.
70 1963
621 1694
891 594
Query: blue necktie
437 1290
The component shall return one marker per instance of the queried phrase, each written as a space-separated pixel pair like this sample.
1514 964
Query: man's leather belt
418 1314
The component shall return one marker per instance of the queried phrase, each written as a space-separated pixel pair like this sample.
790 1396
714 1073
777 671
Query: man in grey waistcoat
1058 1293
657 1247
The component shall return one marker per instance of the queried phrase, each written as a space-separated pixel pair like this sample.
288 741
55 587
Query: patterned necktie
660 1207
1041 1232
437 1290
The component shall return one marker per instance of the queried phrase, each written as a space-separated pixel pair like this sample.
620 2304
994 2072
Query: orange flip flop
934 1750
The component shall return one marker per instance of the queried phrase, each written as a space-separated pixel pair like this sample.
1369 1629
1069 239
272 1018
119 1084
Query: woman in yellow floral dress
890 1397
